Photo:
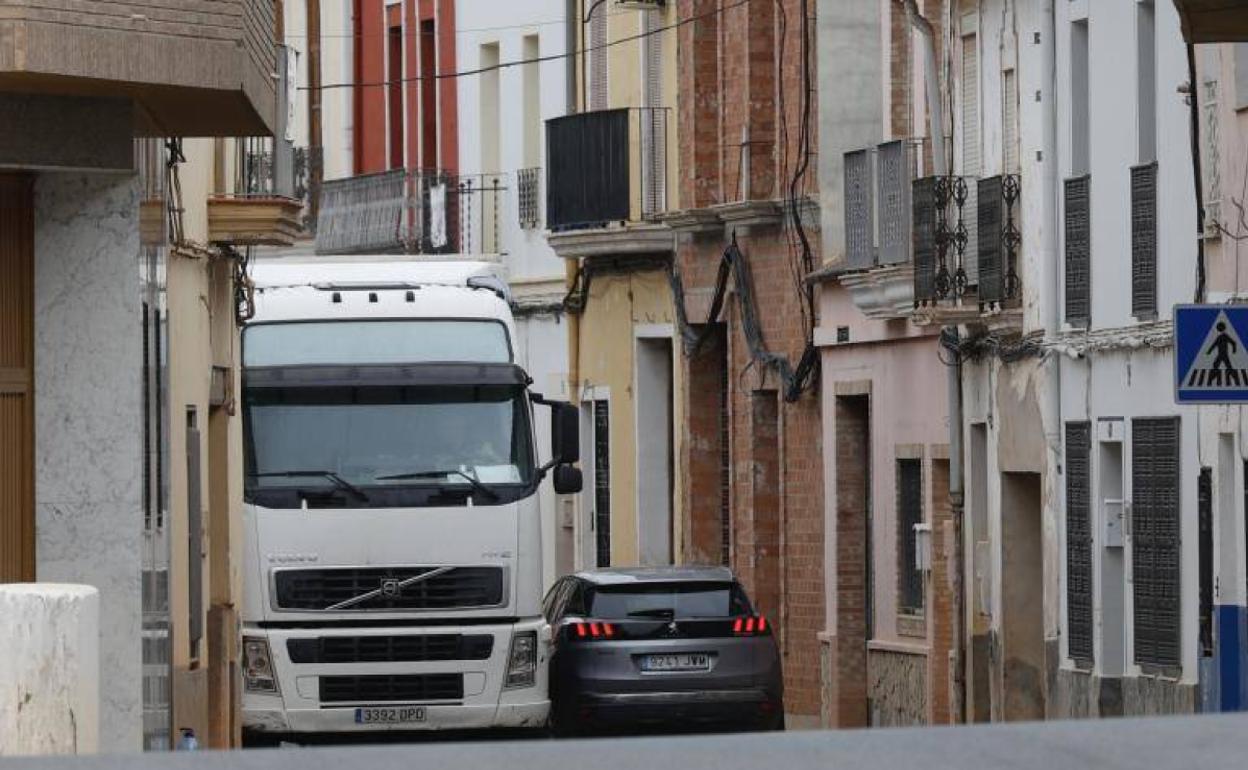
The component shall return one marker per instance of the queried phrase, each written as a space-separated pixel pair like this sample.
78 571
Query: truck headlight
258 673
522 662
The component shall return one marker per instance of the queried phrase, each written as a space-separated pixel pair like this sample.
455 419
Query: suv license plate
689 661
382 715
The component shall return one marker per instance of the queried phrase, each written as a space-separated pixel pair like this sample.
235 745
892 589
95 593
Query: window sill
913 625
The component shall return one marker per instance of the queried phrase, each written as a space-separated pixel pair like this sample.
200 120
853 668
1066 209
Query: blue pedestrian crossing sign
1210 359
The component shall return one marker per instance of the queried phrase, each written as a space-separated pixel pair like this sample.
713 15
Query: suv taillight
753 625
590 630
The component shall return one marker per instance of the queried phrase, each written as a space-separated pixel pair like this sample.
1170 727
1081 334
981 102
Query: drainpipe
569 62
935 108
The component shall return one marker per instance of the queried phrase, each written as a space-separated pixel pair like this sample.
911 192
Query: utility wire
536 59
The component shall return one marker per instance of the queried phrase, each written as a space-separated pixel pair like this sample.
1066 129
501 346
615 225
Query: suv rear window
679 600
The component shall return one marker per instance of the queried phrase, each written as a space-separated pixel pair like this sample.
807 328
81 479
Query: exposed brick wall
776 484
944 607
702 447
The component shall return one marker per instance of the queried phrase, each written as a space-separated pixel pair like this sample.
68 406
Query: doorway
853 575
654 451
1022 605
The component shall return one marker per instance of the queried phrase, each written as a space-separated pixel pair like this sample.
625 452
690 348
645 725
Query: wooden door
17 483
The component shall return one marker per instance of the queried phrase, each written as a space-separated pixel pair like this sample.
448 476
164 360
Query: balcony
267 209
411 212
606 185
189 68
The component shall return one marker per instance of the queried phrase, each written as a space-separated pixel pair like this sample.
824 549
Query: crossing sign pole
1210 357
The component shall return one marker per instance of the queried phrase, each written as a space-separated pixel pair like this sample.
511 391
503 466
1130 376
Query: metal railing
606 166
411 212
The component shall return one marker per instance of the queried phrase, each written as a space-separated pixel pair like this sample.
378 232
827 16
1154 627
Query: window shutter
990 218
1204 515
602 481
1155 540
970 152
893 179
1144 241
598 94
1078 251
1079 541
653 133
924 235
1009 120
859 216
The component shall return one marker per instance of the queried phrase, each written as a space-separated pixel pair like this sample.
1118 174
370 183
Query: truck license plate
371 715
689 661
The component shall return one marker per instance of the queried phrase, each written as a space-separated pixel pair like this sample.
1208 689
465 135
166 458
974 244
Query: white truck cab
393 538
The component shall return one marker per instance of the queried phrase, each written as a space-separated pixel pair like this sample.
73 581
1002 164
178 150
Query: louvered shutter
1009 120
1144 241
990 218
653 133
598 93
859 217
971 154
924 235
1079 541
1078 251
1155 544
1204 515
893 182
602 481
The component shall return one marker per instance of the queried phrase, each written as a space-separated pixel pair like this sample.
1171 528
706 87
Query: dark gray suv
668 646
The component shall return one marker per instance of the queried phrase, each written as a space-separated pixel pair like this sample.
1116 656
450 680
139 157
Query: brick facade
734 147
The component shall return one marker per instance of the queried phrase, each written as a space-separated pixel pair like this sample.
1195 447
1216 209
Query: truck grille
407 687
387 588
388 649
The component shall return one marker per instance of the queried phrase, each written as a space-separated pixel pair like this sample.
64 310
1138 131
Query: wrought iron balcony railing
411 212
528 196
945 254
606 166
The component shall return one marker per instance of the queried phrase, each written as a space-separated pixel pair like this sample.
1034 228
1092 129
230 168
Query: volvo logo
390 588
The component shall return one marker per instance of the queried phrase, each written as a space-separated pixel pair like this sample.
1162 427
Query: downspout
931 78
1193 97
569 62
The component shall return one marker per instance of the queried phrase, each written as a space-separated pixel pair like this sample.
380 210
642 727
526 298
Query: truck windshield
431 438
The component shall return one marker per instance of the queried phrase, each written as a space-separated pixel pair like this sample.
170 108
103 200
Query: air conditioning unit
642 5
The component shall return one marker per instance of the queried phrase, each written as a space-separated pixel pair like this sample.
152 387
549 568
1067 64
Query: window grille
1155 546
1079 541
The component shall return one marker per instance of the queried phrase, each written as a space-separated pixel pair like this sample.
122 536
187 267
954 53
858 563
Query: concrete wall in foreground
49 669
89 418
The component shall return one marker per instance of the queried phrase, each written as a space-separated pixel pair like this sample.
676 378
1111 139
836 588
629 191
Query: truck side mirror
565 434
567 480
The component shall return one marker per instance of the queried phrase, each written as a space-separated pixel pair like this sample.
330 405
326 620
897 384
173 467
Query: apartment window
1079 541
909 514
1144 240
1241 76
1080 106
1155 540
1146 80
602 481
428 95
489 94
394 92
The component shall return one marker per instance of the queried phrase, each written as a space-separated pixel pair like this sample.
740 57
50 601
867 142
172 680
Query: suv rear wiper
338 481
476 485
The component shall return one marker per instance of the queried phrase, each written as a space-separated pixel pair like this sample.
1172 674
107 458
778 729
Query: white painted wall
536 274
50 669
337 51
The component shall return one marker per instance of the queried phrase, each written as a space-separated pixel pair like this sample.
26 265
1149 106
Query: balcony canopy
1213 21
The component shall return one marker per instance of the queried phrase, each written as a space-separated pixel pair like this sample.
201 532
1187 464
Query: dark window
602 481
1155 539
1079 541
680 600
1204 513
394 94
1078 251
909 513
1144 241
587 183
924 238
194 529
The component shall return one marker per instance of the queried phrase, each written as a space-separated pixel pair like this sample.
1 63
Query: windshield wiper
656 612
338 481
476 485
